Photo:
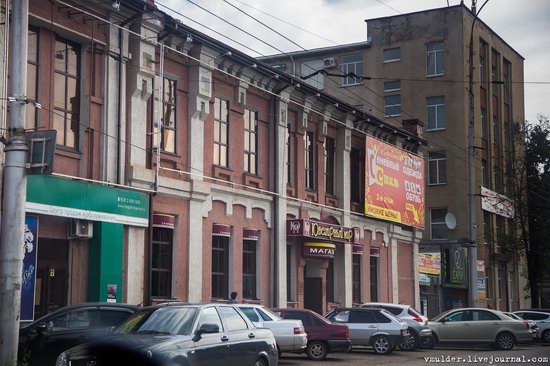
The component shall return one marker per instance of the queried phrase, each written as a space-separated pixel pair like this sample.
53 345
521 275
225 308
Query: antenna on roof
474 7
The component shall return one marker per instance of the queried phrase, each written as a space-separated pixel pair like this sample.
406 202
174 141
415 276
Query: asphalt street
534 354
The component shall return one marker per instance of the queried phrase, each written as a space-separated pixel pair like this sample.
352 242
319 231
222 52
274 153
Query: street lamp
471 164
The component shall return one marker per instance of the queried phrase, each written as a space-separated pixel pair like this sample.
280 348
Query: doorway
313 286
51 276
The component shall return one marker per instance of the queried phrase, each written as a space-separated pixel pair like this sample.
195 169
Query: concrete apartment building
412 71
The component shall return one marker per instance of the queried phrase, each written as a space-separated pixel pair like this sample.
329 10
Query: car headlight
62 360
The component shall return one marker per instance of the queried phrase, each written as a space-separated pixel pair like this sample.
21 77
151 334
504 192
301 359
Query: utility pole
15 190
472 164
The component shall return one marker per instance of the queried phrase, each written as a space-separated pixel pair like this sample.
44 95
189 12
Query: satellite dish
450 220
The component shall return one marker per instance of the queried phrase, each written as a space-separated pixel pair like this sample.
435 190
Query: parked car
420 333
41 341
541 318
479 325
533 327
289 333
181 334
372 327
323 337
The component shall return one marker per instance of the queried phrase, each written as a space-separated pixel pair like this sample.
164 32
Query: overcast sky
523 24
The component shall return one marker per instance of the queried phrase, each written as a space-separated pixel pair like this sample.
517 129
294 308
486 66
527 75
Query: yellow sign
429 263
52 272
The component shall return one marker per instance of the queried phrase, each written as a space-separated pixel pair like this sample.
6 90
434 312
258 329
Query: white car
533 327
289 333
541 318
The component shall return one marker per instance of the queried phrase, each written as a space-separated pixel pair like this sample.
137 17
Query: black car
43 340
182 335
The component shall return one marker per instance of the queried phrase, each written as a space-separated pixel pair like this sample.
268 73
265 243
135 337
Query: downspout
119 111
275 247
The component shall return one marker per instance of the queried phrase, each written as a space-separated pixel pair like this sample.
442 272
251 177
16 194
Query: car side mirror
112 330
42 328
206 329
443 320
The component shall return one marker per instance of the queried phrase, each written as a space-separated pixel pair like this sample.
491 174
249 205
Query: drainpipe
119 111
276 198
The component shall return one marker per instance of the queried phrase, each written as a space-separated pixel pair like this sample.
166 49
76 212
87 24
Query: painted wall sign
251 234
497 203
87 201
394 184
30 248
321 230
429 263
317 249
221 230
164 221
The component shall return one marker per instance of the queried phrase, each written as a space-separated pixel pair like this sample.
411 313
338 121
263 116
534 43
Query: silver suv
376 328
421 334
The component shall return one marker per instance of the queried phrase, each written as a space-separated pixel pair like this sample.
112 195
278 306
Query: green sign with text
87 201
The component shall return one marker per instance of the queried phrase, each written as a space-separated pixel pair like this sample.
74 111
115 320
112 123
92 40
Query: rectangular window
392 55
309 141
289 294
161 263
356 278
496 130
288 156
220 266
373 278
483 55
392 105
436 112
357 169
438 226
250 141
351 64
249 269
506 76
310 67
67 92
221 132
501 283
168 118
330 280
392 86
32 77
484 126
437 167
485 180
435 59
498 178
487 227
329 165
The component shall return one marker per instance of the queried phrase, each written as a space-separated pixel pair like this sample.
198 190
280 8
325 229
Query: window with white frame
437 167
309 145
308 68
249 269
250 141
221 132
392 86
168 118
220 266
436 113
392 105
330 149
351 64
439 230
435 59
392 55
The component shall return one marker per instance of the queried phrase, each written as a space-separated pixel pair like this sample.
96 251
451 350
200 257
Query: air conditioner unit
329 62
80 229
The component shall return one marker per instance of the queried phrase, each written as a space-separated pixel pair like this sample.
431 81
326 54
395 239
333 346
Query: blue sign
30 248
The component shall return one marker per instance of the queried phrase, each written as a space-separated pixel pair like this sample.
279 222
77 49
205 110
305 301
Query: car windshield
168 320
268 312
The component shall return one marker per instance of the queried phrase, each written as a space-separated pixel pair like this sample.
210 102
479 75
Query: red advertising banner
394 184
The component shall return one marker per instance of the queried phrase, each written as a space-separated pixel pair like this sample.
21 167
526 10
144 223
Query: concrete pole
15 190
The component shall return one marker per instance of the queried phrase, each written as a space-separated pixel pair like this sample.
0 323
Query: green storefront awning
55 196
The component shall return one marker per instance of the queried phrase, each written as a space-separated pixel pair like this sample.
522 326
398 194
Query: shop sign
394 184
481 288
321 230
315 249
251 234
111 292
164 221
453 263
55 196
497 203
30 249
480 265
375 252
221 230
424 279
429 263
357 249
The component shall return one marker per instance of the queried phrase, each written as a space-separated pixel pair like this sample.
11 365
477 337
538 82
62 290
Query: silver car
372 327
533 327
421 334
480 325
541 318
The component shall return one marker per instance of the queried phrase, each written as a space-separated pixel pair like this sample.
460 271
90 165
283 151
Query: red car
322 336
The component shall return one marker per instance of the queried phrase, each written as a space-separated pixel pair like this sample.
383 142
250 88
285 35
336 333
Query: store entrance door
313 286
51 276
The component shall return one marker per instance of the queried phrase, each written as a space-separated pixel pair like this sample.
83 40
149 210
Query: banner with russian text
394 184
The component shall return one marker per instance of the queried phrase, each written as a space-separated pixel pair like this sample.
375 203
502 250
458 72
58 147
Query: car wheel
505 341
260 362
381 345
316 350
410 343
546 336
427 342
